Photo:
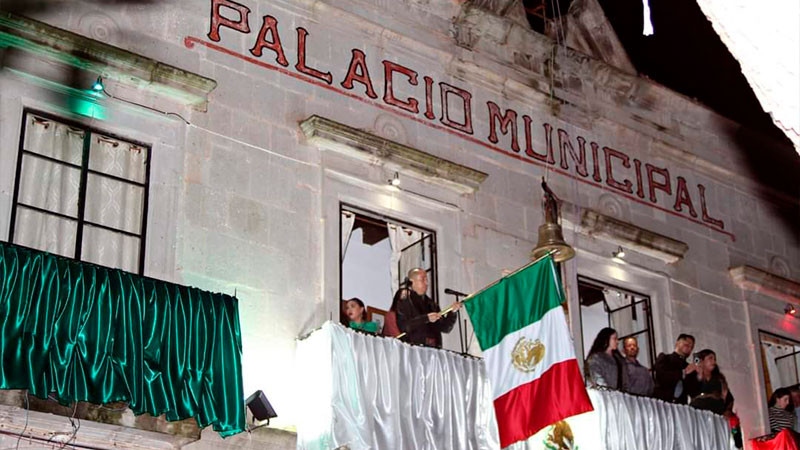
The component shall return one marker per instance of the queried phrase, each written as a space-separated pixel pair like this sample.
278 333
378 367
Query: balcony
364 391
88 342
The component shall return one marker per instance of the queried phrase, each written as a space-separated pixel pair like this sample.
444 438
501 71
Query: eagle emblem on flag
527 354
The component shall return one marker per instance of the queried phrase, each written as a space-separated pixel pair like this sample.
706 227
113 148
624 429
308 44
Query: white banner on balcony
367 392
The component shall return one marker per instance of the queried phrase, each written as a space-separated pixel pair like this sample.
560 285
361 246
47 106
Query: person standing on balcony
639 380
712 387
418 315
605 364
673 383
795 393
357 314
781 411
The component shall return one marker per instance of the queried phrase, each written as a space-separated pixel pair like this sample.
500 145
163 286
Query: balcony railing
363 391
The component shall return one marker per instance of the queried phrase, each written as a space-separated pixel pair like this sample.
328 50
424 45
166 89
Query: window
603 305
376 254
780 359
80 193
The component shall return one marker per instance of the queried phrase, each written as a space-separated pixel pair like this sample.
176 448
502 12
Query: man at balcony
418 315
639 380
676 379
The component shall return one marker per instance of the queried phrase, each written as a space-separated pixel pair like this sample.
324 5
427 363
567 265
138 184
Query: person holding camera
676 379
712 387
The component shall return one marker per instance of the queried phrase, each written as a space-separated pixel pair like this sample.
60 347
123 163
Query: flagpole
449 309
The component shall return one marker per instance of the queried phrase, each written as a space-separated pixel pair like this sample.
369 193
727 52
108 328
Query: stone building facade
281 111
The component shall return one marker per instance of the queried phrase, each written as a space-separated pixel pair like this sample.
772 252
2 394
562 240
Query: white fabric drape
114 203
55 187
348 219
782 372
370 392
636 423
403 261
383 394
48 185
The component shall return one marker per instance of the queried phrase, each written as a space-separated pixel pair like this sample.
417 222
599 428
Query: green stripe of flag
515 302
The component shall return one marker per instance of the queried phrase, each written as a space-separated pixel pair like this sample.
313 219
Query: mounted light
98 85
619 254
395 181
790 309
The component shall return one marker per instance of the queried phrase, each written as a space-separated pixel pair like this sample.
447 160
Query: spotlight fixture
395 181
790 309
619 254
98 85
260 407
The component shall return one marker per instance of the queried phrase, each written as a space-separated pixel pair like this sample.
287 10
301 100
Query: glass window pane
114 203
49 185
53 139
110 249
45 232
118 158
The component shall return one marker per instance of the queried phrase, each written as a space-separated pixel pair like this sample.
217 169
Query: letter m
509 118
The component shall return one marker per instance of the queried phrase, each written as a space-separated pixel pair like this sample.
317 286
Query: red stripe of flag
559 393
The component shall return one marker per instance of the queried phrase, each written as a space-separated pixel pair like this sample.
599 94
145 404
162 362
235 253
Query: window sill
330 135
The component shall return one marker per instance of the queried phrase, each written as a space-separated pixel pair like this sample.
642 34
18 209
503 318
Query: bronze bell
550 235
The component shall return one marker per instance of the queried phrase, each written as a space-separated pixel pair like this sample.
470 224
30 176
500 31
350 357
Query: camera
695 359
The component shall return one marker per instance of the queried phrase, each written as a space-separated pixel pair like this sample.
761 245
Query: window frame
89 132
768 387
433 279
650 330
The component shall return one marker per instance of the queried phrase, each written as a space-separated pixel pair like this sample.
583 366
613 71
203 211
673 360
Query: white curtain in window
403 261
348 219
48 185
55 187
114 203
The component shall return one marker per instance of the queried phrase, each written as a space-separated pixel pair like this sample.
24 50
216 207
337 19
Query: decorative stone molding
111 62
632 237
331 135
751 279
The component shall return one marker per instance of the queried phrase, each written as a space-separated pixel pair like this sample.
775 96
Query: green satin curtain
89 333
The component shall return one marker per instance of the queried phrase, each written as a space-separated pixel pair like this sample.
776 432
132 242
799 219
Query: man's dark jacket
412 318
669 371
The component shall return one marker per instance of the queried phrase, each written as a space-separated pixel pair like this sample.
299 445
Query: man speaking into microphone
418 315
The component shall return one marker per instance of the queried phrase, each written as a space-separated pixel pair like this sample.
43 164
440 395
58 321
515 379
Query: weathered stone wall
241 202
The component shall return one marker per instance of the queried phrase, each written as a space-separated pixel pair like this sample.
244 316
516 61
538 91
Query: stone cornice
751 279
111 62
331 135
632 237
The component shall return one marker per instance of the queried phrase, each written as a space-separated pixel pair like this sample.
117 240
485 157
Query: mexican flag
528 351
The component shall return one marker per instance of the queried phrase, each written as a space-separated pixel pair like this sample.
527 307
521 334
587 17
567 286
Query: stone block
249 219
228 171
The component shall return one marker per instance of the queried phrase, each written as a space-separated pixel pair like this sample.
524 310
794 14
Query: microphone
449 291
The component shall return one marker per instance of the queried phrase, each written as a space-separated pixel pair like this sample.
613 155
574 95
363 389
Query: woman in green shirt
357 314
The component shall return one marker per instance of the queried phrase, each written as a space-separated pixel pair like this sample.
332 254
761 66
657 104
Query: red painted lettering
548 134
466 99
389 68
358 72
270 26
706 217
506 120
665 185
639 188
626 185
301 66
217 20
578 158
595 162
429 98
682 197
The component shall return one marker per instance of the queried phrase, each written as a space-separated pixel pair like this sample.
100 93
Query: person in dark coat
605 365
418 315
673 383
